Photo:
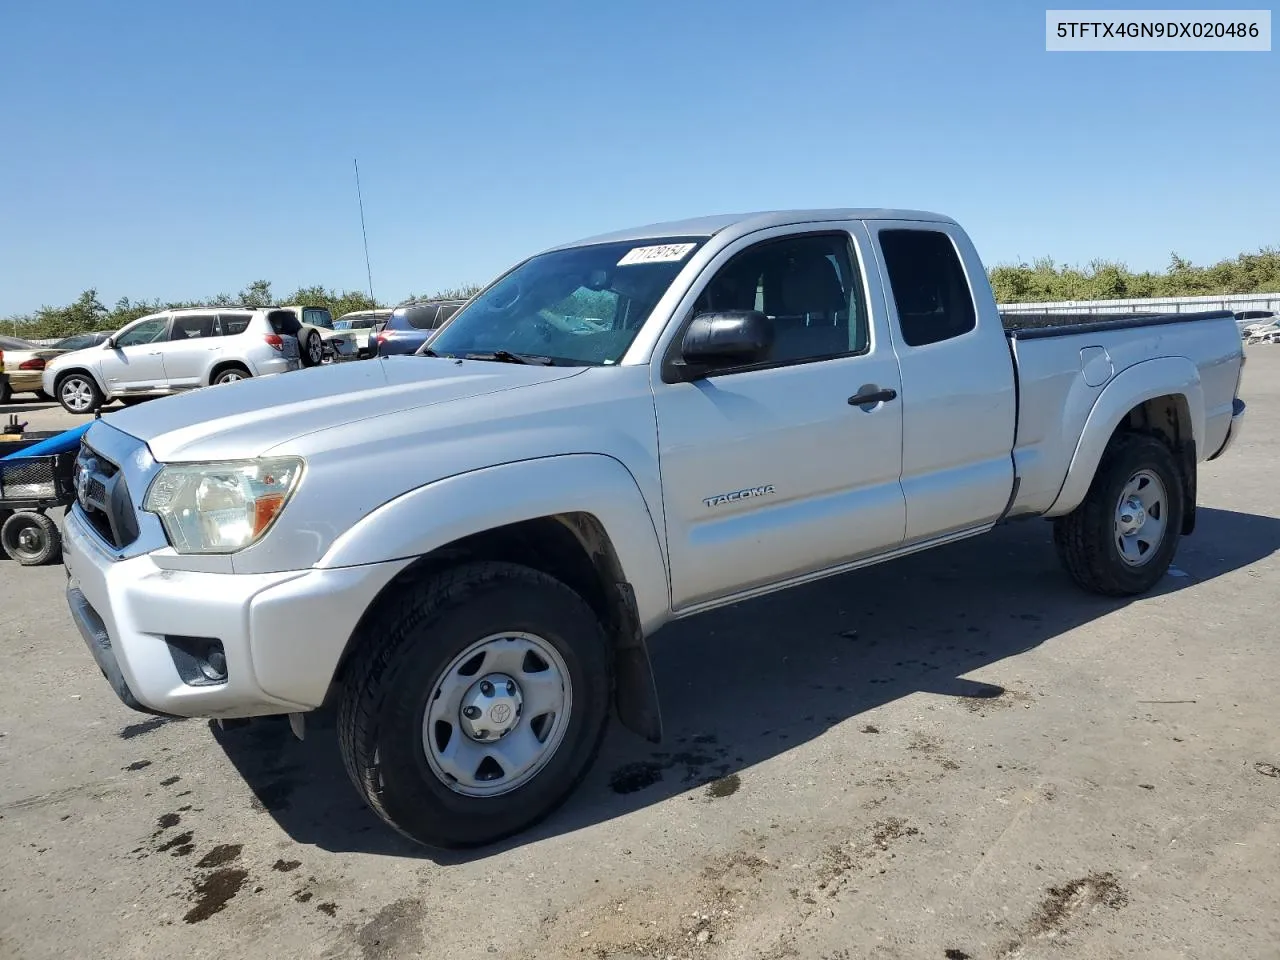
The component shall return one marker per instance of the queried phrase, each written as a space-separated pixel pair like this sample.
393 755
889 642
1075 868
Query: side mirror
727 338
109 343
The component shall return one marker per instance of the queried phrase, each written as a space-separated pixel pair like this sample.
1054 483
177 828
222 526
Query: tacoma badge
746 494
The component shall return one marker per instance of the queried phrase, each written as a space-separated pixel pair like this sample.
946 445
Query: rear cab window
928 285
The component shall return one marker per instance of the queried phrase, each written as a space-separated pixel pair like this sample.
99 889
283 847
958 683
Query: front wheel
477 704
1121 539
78 393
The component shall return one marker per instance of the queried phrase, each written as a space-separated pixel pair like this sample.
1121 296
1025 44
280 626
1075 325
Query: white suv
173 351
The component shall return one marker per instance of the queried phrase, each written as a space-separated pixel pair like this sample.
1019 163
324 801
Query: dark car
81 341
409 326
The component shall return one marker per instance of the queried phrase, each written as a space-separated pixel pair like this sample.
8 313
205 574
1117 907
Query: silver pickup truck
465 551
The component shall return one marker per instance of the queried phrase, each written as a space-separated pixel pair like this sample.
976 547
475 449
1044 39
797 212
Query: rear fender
1166 376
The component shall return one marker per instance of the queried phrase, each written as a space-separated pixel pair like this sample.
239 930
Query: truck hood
242 420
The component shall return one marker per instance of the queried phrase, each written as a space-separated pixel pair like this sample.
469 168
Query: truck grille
103 500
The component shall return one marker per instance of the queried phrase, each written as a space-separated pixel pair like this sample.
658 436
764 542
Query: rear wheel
32 539
78 393
6 392
1121 539
231 375
477 705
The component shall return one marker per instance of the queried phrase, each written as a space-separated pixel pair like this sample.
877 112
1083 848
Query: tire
418 645
78 393
231 375
32 539
41 395
133 401
6 392
1093 540
311 348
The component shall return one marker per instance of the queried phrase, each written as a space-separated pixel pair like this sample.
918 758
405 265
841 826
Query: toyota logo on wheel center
500 712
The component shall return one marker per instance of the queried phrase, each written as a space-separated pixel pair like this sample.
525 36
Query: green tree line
89 314
1044 280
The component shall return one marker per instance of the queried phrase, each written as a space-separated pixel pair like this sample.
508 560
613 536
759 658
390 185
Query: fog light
200 661
214 665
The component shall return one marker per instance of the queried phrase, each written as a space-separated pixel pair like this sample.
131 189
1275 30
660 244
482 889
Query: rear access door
959 399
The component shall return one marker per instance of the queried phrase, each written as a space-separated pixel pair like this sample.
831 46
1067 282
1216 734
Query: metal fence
1233 302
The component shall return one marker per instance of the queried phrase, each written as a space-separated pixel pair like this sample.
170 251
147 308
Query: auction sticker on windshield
659 253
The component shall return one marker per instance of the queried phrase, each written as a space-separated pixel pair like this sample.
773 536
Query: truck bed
1065 361
1034 326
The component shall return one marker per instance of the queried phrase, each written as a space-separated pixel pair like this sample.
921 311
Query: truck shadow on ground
744 684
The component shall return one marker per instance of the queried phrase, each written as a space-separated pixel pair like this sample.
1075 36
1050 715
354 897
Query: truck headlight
221 507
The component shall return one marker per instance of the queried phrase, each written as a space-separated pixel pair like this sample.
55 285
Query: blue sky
179 150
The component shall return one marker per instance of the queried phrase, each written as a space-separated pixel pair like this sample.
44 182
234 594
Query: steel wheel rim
315 349
26 542
77 395
1141 518
523 726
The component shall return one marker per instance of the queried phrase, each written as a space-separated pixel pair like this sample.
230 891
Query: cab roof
744 223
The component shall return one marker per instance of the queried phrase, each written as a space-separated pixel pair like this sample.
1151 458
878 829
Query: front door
770 472
135 362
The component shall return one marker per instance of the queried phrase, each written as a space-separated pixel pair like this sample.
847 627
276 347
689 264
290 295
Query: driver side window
808 285
149 331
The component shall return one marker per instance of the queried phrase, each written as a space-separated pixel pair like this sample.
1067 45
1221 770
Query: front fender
1166 376
447 510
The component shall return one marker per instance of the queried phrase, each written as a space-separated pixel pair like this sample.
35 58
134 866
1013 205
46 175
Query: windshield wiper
506 356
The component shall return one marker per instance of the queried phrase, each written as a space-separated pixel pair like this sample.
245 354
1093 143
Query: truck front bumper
280 635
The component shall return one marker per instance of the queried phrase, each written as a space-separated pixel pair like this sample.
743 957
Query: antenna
365 236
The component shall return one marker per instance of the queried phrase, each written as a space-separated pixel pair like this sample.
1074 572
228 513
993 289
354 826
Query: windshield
579 306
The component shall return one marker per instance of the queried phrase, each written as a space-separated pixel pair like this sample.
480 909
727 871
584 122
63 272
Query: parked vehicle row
175 351
465 551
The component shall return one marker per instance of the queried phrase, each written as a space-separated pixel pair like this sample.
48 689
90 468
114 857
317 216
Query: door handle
871 395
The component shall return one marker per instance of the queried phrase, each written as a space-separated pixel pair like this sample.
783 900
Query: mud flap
636 690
